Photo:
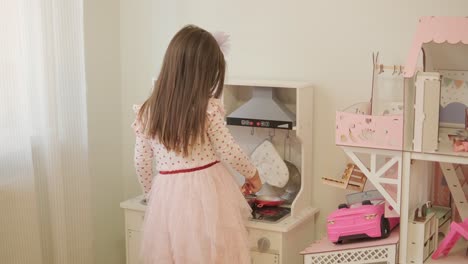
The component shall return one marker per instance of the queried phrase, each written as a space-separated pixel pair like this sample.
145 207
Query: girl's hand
252 185
246 189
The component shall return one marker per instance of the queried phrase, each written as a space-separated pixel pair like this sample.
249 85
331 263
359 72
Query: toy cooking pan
264 200
250 198
268 200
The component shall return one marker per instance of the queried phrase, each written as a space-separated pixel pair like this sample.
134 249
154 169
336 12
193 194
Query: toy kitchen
272 121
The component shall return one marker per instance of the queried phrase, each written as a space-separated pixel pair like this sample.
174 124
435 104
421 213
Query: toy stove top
270 214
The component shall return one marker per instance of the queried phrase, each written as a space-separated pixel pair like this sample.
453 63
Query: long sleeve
223 142
143 158
143 161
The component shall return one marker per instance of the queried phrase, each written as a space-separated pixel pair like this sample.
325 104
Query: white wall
146 28
102 55
326 42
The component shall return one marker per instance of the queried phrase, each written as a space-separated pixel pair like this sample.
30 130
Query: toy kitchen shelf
410 136
279 111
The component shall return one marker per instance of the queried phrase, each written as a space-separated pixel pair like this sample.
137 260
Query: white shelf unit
444 218
286 238
422 239
134 211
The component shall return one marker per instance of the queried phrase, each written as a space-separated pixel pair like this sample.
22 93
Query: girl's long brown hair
192 71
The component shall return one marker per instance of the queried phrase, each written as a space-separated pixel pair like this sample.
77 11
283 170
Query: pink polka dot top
219 146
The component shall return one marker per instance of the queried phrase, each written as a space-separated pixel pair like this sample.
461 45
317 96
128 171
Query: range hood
262 110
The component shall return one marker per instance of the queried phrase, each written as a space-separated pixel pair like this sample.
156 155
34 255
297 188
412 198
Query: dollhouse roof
433 31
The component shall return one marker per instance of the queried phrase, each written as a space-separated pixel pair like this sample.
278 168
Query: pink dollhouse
405 147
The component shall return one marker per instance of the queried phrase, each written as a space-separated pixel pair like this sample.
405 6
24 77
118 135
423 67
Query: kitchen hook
271 134
287 141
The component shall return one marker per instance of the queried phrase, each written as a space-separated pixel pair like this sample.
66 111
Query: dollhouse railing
357 127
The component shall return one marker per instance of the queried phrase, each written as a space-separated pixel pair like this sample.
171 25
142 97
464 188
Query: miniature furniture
352 179
457 231
422 238
444 217
367 251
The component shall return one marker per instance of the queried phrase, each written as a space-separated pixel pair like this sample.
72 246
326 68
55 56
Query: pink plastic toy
457 230
460 146
363 216
460 141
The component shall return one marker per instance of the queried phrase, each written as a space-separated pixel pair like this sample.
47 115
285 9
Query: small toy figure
460 141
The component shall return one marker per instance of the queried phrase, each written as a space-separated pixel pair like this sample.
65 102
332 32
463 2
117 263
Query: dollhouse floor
364 251
445 144
445 149
324 245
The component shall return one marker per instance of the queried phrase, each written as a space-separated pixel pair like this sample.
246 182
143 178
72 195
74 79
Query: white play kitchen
271 120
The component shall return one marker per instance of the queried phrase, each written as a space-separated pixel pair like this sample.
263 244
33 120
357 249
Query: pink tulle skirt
197 217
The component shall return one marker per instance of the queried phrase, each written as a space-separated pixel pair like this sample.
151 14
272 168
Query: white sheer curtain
45 214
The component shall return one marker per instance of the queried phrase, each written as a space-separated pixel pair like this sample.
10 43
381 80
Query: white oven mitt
270 165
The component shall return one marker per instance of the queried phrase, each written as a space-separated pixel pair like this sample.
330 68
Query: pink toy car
363 216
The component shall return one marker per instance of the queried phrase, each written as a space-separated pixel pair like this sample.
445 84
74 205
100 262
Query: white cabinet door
264 258
133 247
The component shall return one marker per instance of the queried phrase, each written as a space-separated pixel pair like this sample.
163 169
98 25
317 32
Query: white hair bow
223 41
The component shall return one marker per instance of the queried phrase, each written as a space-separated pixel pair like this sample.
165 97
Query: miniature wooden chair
457 230
353 179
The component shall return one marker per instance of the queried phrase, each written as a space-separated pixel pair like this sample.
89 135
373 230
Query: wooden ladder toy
353 179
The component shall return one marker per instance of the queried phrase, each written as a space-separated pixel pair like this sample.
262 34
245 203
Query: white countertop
284 225
135 203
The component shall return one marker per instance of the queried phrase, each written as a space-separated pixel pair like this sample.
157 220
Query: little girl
196 211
